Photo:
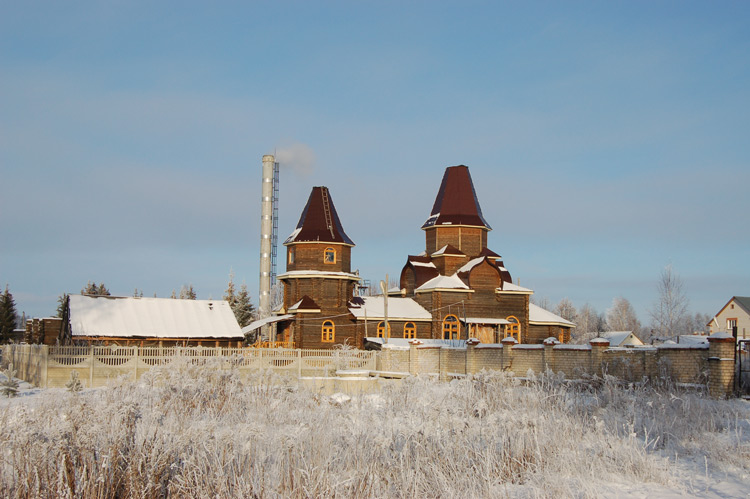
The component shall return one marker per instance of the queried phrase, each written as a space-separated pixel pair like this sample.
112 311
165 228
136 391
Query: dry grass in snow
203 432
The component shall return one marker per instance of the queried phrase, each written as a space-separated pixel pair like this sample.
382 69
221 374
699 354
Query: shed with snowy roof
150 322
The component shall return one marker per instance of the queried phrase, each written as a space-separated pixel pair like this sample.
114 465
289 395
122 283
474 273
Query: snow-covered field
202 432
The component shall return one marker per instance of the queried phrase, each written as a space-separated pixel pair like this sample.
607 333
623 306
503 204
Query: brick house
736 312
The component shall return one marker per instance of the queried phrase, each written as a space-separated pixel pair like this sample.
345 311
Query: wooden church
456 289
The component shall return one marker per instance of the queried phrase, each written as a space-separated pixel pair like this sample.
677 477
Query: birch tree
669 315
621 316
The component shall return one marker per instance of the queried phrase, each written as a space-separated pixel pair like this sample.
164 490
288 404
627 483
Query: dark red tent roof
456 202
319 221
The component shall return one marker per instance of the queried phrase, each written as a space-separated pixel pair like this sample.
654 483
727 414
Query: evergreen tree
173 295
74 385
10 383
187 293
244 311
230 294
92 289
8 315
61 303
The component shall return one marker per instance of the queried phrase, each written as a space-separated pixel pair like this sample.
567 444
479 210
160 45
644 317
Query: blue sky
605 139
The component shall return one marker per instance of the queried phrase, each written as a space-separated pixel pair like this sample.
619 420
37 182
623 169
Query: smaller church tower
318 282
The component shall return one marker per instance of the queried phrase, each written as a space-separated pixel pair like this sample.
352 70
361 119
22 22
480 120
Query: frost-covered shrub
188 430
9 385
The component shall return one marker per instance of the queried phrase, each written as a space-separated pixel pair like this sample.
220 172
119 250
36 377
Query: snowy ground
200 432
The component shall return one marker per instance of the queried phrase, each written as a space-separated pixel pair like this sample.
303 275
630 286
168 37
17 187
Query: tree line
669 315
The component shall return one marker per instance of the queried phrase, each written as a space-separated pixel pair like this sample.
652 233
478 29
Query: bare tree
587 320
621 316
669 315
566 310
542 302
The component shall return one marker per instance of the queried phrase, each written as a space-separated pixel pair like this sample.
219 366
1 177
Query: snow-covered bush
202 431
9 385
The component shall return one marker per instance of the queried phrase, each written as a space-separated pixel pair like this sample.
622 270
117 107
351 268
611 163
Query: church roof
319 221
456 202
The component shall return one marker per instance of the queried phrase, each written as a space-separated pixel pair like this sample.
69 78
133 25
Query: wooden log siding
309 256
470 240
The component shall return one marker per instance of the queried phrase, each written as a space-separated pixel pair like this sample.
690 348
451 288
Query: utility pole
384 288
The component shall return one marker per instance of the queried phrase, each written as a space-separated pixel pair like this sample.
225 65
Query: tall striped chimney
266 230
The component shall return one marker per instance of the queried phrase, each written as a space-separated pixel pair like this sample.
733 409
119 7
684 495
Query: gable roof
456 202
538 315
121 317
449 250
306 304
443 282
319 221
742 301
618 338
398 309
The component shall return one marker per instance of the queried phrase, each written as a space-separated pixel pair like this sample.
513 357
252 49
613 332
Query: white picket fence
52 366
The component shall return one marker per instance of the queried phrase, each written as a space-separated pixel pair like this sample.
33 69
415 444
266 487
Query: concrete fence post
549 353
508 343
91 366
471 356
721 365
598 346
45 365
443 364
414 357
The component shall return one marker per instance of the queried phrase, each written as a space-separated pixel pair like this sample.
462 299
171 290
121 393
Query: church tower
318 282
456 219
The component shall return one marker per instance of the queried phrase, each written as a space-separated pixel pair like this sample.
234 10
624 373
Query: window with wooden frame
291 255
328 332
450 327
381 329
731 323
513 329
329 255
410 331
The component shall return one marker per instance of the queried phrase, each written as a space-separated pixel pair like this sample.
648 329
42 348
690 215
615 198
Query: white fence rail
52 366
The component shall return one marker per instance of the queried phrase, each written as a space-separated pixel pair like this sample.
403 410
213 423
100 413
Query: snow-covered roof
538 315
121 317
693 339
423 264
484 320
471 264
398 309
443 282
621 338
515 288
318 273
449 249
262 322
403 342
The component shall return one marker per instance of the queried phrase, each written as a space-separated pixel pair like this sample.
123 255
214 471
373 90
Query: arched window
410 330
329 332
513 329
329 255
381 329
450 327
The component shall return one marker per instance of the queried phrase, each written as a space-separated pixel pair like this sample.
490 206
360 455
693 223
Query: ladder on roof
327 211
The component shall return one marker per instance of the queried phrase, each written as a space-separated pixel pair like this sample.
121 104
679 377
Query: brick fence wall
710 365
